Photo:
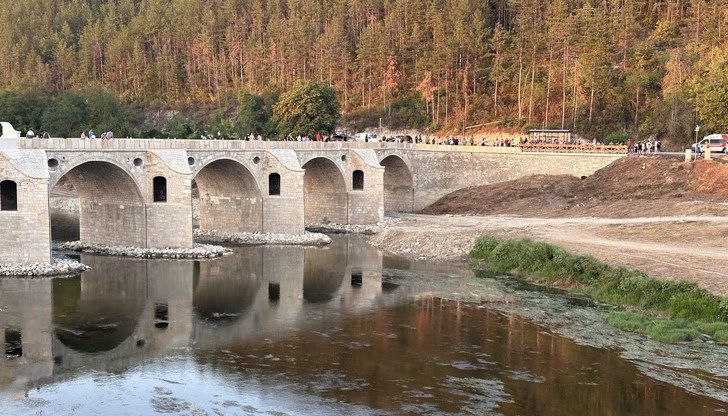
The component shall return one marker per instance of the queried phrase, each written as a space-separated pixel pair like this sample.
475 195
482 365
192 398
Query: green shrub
711 328
629 321
673 335
686 305
721 336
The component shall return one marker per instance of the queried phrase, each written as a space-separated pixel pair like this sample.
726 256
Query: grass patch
686 310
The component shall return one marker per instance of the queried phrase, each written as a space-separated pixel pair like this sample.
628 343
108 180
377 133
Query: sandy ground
680 247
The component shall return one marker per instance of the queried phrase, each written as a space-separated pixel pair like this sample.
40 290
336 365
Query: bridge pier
24 214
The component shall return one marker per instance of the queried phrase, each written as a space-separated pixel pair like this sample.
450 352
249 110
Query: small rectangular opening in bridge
274 184
160 189
161 315
8 196
274 292
357 179
357 278
13 343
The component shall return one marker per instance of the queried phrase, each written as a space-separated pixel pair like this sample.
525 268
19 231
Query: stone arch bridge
138 192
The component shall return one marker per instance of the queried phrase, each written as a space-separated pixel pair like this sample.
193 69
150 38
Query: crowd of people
649 146
42 134
107 135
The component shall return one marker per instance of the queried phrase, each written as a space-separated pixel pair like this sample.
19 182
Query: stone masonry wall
169 223
282 214
365 206
26 232
439 173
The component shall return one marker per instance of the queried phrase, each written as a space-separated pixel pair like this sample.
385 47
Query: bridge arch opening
398 185
324 190
8 196
229 197
110 206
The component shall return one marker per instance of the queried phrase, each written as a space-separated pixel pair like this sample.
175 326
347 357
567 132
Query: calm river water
286 330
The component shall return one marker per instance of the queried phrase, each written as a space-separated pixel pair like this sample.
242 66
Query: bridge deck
162 144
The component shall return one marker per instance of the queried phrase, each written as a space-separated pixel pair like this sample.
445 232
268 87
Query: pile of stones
366 229
58 267
305 239
198 251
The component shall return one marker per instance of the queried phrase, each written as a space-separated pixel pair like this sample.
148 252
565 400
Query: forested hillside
603 68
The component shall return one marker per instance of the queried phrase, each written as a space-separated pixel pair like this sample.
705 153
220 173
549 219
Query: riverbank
671 248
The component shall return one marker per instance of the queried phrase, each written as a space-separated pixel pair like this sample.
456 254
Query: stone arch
61 167
324 193
398 185
111 205
230 197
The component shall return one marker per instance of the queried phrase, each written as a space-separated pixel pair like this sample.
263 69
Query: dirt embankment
634 186
658 214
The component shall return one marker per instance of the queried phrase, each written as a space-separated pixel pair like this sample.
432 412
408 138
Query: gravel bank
367 229
198 251
57 267
306 239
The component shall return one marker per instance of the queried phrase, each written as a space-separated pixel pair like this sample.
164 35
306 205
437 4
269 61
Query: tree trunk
637 108
591 104
576 101
563 88
533 78
548 90
520 77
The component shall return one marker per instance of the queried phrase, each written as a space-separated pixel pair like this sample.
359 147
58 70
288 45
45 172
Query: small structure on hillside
549 136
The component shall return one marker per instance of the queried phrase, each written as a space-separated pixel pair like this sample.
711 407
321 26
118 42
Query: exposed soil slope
634 186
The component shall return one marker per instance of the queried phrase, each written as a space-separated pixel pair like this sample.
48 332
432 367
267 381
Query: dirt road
680 247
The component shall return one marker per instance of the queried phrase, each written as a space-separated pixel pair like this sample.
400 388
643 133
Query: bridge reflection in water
299 330
122 311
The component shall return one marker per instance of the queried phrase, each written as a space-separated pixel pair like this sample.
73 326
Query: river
335 330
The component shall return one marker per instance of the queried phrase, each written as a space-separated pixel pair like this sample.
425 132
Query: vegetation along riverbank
668 311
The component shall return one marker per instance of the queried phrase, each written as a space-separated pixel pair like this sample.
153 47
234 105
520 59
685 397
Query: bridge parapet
160 144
